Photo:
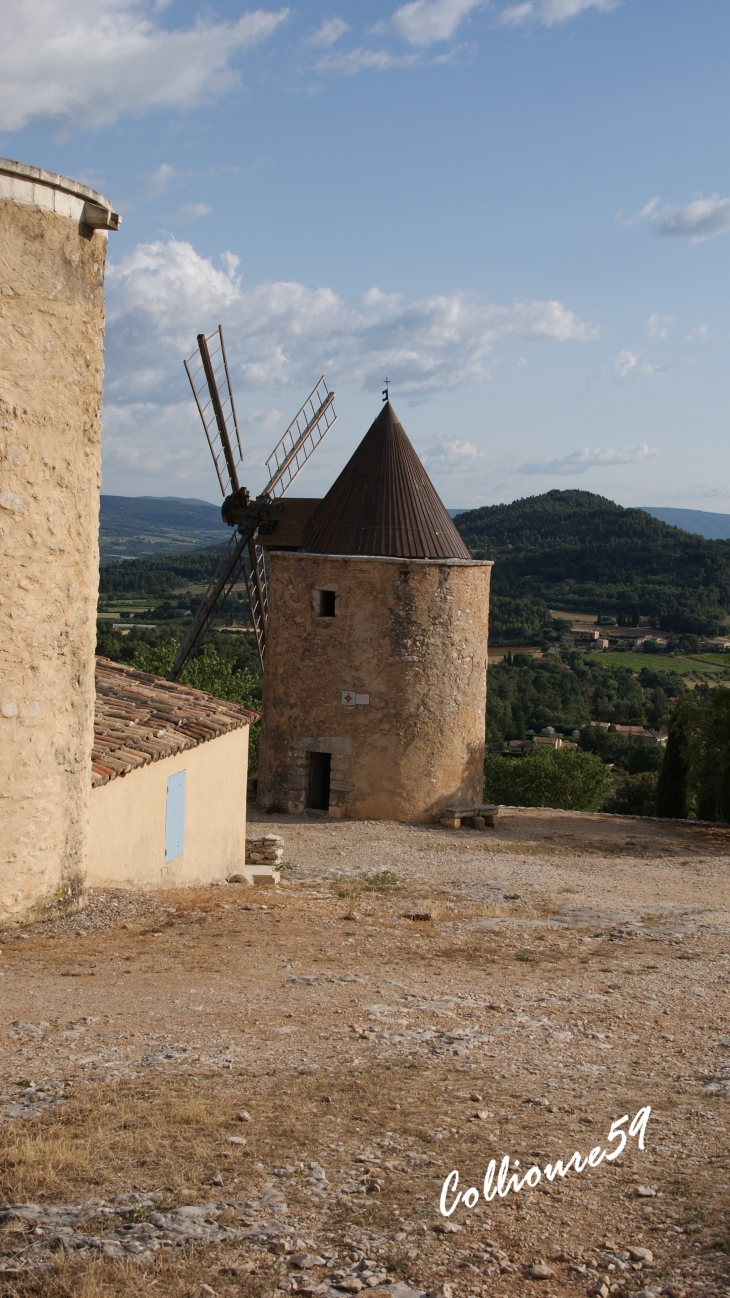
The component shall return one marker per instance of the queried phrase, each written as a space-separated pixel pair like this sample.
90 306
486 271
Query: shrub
548 777
634 795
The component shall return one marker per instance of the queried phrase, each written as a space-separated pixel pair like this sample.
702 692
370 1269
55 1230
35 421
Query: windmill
252 520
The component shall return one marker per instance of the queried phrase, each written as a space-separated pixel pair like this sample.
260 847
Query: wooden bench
476 816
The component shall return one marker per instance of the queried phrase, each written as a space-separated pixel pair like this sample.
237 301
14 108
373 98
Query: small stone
217 1179
306 1260
243 1116
482 1114
644 1192
351 1284
204 1291
541 1272
447 1228
443 1291
640 1254
476 1098
236 1140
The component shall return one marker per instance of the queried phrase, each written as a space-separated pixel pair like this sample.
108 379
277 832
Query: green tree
634 795
711 774
673 789
548 777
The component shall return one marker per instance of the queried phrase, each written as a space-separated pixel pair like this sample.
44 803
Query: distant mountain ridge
701 522
141 527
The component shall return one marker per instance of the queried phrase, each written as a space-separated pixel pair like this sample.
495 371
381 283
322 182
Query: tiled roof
141 718
384 503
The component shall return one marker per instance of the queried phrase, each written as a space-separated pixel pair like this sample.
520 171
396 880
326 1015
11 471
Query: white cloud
158 182
364 59
424 22
642 215
701 219
582 460
701 333
629 364
328 33
91 63
658 326
164 446
282 334
550 12
190 211
449 455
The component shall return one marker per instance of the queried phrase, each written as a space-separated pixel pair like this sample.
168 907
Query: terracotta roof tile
140 718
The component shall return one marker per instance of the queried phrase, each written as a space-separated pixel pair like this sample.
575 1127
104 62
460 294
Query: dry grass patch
176 1275
108 1139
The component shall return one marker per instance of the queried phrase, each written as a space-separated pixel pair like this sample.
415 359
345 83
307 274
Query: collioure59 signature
515 1181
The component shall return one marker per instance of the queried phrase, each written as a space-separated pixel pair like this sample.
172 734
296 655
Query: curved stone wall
52 256
408 644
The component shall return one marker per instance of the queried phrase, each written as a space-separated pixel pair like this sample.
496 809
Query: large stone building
376 658
52 253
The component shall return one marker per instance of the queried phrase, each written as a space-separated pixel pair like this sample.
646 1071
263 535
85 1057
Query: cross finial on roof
386 396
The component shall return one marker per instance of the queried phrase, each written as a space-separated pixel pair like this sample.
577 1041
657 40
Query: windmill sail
303 436
258 598
231 568
207 370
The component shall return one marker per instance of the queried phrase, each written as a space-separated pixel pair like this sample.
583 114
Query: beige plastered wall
127 827
409 634
51 371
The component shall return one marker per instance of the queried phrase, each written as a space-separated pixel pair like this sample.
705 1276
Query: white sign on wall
350 698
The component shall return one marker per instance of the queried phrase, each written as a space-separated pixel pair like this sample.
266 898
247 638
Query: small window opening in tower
326 603
318 797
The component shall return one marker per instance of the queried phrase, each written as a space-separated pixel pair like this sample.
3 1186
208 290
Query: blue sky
518 211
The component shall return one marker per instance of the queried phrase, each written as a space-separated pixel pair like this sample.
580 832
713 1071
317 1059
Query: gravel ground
411 1001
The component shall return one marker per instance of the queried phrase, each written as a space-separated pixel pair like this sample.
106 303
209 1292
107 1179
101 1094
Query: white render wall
127 827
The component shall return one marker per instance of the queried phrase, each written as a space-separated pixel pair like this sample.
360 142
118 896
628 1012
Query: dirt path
573 969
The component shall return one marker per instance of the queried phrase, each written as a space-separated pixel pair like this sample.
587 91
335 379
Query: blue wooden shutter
175 816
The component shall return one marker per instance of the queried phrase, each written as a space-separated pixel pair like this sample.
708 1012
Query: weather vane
385 391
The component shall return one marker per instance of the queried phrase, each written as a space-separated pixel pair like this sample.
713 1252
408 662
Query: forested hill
575 550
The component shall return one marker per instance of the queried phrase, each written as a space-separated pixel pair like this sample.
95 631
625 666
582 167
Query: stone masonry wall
51 369
409 643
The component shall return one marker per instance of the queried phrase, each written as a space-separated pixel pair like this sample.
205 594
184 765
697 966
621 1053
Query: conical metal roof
384 503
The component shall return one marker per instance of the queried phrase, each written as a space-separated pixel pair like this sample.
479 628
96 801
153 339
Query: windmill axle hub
239 508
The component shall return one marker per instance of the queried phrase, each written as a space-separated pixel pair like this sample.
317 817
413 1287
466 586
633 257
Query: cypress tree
673 787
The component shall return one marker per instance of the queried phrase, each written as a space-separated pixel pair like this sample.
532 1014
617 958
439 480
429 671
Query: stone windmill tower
375 683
